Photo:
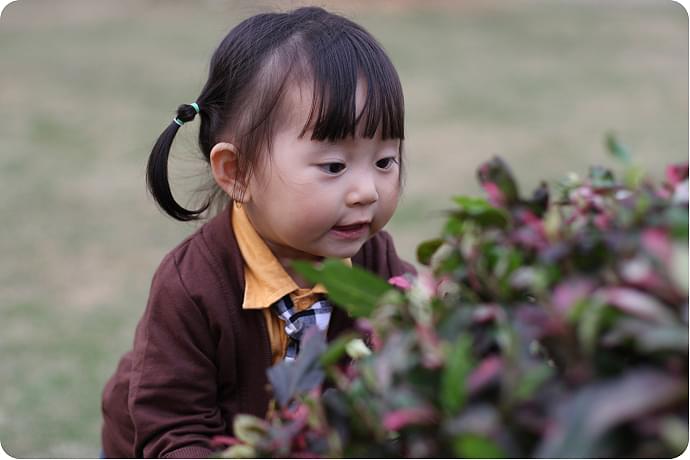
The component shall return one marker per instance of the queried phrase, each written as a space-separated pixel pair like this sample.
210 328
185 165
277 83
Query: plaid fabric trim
296 324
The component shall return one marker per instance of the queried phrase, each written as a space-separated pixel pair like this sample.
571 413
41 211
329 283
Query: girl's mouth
350 232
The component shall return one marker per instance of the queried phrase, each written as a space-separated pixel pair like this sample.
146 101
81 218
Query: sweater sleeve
173 398
396 265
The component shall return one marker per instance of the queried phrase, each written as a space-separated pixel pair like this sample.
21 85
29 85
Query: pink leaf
301 412
401 282
401 418
486 313
495 194
427 283
567 293
221 441
640 273
529 218
602 221
636 303
432 354
677 173
657 242
487 371
538 323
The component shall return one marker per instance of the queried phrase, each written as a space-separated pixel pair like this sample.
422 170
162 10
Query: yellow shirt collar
265 279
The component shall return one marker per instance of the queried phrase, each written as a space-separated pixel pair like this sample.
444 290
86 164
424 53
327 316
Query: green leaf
239 451
532 380
353 288
427 249
249 429
601 177
674 432
446 259
508 260
336 349
677 218
679 265
453 227
459 364
475 446
480 211
472 205
617 150
563 187
633 177
357 349
594 315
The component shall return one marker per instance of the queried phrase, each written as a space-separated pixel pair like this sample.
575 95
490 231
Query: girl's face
313 199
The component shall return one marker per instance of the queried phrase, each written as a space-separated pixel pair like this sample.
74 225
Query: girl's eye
332 168
386 163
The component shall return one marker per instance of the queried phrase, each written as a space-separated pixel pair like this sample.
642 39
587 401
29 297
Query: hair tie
180 122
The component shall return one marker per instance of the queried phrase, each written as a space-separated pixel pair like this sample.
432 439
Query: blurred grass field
87 86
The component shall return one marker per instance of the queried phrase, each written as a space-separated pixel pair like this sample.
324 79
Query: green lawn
86 87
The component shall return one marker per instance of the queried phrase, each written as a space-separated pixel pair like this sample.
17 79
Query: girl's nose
362 193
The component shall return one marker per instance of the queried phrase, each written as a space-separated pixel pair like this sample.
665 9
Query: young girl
302 126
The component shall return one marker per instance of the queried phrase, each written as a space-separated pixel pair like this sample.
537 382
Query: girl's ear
223 159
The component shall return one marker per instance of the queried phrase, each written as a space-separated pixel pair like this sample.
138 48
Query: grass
87 86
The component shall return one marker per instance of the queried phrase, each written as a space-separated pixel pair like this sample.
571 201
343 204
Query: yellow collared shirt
266 282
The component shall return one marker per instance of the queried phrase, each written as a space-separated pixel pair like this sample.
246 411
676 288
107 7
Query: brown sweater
198 358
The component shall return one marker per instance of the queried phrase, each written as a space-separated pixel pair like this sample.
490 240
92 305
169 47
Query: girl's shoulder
207 262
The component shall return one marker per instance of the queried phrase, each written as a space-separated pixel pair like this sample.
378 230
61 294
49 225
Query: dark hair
249 73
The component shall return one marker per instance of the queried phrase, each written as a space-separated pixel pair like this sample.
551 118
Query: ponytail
157 168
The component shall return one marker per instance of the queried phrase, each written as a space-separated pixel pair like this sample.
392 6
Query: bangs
329 55
340 58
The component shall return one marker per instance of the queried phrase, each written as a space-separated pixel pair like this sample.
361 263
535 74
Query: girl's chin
333 250
344 252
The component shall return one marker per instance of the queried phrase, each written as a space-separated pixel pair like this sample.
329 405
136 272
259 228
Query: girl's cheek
388 202
391 189
318 205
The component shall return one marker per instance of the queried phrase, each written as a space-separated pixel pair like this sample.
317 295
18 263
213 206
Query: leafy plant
549 326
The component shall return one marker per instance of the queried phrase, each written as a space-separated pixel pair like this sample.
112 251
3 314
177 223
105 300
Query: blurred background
87 86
